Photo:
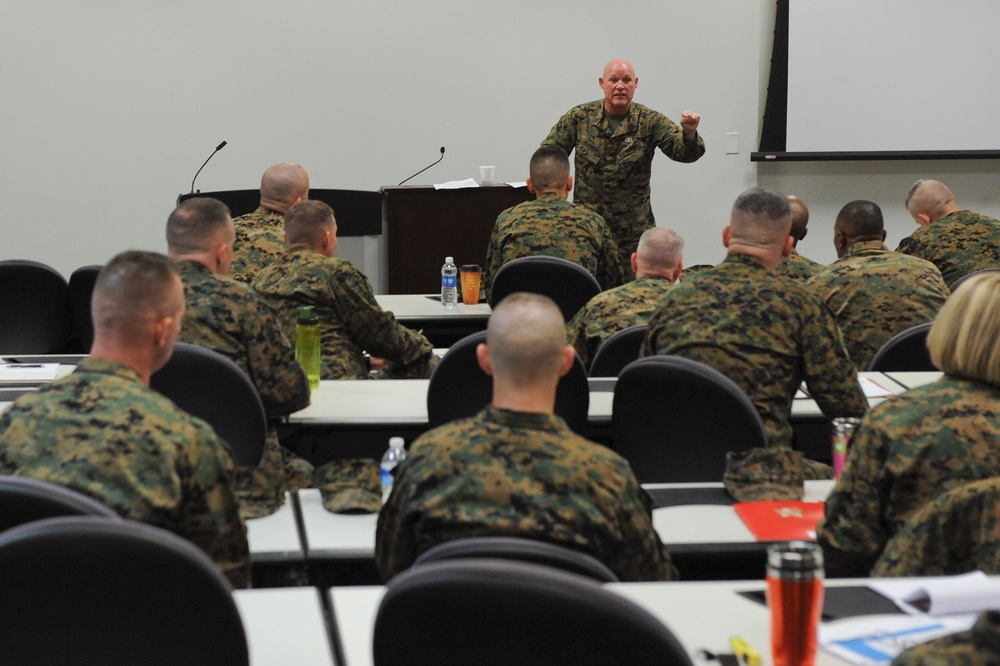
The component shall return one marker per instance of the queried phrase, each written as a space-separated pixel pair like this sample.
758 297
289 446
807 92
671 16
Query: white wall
109 107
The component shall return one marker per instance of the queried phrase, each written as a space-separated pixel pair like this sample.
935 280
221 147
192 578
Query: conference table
702 615
285 626
349 418
442 326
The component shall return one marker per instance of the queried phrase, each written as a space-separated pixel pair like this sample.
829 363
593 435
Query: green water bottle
307 344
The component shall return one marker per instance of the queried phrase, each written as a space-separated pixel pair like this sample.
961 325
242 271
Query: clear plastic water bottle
449 283
393 456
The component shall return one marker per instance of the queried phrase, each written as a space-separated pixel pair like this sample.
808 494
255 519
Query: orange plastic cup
470 275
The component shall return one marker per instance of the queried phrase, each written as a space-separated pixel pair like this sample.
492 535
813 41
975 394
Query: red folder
781 521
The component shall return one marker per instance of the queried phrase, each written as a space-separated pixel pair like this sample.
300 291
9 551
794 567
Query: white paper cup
486 175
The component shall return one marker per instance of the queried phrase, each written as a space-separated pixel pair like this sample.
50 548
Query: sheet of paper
868 640
456 184
941 595
873 390
28 371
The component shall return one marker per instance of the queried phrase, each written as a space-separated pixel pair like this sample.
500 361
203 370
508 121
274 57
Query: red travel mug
795 598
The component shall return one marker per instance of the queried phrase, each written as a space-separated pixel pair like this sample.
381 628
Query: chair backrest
674 419
81 288
459 387
955 285
34 308
23 499
503 612
621 348
522 550
210 386
567 283
953 534
86 590
904 352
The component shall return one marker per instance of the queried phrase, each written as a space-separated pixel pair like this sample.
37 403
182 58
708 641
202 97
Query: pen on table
744 651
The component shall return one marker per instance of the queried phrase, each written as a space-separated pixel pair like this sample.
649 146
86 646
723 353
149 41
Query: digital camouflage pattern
958 244
553 227
771 474
875 293
351 321
979 646
764 332
797 267
611 311
613 168
231 318
906 452
953 534
101 432
506 473
260 239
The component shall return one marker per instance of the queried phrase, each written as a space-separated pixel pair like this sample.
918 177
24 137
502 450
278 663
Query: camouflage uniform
613 168
797 267
101 432
979 646
953 534
508 473
231 318
350 319
611 311
957 244
907 451
552 226
875 293
260 239
764 332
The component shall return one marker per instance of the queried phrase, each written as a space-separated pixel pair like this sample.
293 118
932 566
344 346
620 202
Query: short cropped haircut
762 201
549 167
193 225
526 335
761 217
307 221
964 340
133 286
660 248
863 217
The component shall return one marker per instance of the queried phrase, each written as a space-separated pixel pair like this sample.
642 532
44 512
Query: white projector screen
893 75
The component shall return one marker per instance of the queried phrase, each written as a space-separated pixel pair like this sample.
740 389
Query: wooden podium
421 226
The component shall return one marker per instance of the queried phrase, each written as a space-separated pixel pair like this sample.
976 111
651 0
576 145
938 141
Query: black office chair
955 285
503 612
86 590
459 387
674 419
522 550
210 386
904 352
23 499
34 308
81 288
567 283
620 349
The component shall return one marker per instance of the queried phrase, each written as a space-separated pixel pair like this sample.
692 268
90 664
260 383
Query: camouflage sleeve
978 647
395 541
610 273
828 370
563 133
642 557
852 533
271 355
377 331
493 258
211 517
576 335
669 138
910 246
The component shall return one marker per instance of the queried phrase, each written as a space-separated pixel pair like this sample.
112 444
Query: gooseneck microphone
425 168
217 149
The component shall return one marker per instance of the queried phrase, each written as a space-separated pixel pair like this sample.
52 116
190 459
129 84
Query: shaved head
549 168
800 217
282 185
931 198
525 337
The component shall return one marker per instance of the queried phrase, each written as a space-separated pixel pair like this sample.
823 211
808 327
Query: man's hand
689 123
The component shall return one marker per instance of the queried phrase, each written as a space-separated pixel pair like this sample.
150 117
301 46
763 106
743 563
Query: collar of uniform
107 366
867 248
191 266
743 260
550 197
629 121
524 420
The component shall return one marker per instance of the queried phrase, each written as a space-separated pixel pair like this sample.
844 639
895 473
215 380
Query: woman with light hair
917 445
